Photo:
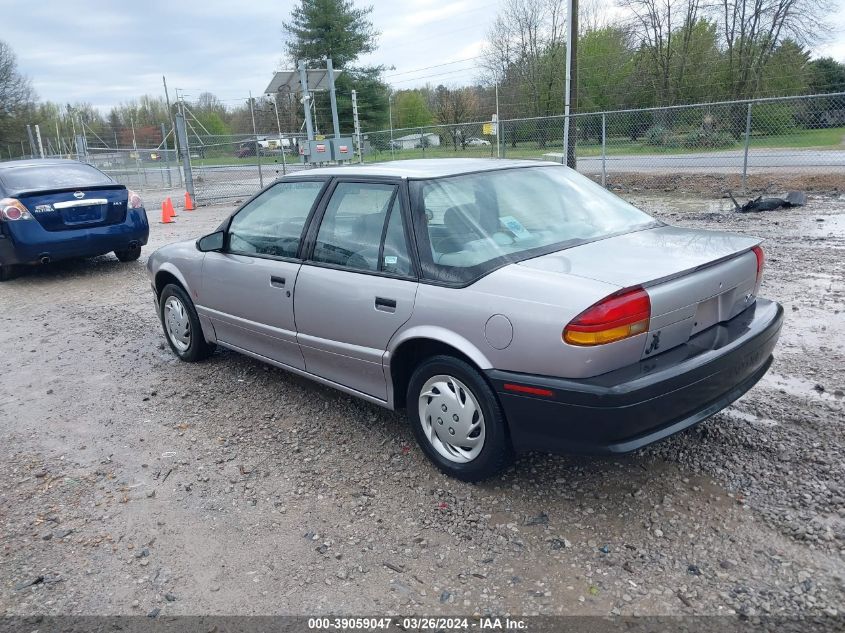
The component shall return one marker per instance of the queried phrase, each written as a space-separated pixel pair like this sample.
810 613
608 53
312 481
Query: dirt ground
137 484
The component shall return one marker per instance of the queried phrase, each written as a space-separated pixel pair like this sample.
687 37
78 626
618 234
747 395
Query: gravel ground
137 484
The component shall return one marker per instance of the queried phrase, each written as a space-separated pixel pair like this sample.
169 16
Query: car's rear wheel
457 419
9 271
182 325
128 254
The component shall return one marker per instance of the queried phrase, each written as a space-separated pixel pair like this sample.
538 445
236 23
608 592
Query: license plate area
82 211
83 215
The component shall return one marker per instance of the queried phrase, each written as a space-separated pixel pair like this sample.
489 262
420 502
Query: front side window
272 223
474 223
351 231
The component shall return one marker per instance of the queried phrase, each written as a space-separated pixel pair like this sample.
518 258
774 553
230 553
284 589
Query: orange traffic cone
189 204
170 208
166 213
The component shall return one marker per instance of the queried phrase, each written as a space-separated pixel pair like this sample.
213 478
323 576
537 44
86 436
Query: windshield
41 177
476 222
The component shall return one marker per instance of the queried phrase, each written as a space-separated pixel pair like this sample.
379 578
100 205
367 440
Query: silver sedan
506 305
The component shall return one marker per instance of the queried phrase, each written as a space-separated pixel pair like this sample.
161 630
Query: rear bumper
632 407
27 242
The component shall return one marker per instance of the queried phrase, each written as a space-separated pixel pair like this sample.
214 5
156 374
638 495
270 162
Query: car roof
423 168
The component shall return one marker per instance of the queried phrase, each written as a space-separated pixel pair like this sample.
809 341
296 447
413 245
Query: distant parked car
506 305
475 141
60 209
246 149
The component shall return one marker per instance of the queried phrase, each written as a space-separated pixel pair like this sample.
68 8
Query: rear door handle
385 305
279 282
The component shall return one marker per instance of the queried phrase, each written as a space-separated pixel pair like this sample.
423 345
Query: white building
414 141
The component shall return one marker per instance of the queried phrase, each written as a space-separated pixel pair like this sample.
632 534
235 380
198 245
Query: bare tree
454 107
751 31
525 52
16 94
659 24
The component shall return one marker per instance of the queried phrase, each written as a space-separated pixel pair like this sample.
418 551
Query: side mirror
211 242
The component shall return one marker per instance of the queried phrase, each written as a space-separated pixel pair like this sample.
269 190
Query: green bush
657 135
709 140
772 118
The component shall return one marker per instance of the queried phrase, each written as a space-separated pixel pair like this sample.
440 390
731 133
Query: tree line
658 53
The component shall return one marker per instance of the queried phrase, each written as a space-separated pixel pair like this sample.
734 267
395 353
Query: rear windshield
41 177
474 223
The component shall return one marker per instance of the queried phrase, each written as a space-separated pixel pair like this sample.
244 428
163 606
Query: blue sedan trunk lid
86 207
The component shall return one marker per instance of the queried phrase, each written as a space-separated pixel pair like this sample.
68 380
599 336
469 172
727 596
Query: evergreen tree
329 28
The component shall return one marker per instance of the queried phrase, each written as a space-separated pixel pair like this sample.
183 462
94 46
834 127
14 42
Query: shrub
657 135
708 140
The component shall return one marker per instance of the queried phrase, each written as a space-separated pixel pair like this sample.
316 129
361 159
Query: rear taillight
135 201
12 209
761 261
612 319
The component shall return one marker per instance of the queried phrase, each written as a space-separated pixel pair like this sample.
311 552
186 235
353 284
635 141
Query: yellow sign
487 129
320 137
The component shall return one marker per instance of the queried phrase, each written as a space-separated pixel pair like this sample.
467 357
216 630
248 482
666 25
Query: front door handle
278 282
385 305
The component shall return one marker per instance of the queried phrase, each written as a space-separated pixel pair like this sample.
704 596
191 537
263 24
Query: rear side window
41 177
272 223
353 224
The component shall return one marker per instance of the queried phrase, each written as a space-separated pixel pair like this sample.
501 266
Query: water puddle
749 417
795 386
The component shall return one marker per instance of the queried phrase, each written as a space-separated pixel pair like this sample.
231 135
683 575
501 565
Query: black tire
9 271
129 254
198 349
496 452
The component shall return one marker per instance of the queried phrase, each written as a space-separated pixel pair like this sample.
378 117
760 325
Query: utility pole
38 140
279 127
390 114
498 124
357 124
571 87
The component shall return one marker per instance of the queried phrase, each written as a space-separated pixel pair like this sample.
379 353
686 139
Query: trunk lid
694 278
77 208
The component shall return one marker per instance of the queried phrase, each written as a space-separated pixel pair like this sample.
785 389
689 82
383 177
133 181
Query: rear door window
351 231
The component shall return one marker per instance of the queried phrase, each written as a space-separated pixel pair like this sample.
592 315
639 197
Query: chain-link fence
234 167
803 134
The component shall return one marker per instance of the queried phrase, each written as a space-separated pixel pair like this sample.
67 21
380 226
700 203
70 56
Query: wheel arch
419 343
166 274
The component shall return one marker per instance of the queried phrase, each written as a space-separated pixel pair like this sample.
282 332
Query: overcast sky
105 52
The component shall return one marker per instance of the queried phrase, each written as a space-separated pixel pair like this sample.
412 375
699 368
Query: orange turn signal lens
614 318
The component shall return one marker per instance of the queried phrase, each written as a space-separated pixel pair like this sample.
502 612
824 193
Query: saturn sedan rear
506 305
60 209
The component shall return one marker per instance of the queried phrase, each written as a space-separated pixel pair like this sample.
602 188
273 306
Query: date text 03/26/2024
416 624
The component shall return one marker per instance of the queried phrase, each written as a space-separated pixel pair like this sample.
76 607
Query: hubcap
177 323
451 418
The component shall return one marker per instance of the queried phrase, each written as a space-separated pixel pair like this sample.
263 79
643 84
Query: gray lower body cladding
634 406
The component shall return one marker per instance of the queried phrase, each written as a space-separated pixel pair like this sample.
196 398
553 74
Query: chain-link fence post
745 153
603 149
166 155
81 149
257 147
185 150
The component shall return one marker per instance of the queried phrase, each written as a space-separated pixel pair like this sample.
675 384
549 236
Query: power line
449 72
457 61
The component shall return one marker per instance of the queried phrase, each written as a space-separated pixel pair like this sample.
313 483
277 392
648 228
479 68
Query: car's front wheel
128 254
457 419
182 325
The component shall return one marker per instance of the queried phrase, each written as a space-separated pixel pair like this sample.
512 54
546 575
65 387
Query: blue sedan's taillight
12 210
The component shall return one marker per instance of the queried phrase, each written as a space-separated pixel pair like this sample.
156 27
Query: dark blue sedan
61 209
